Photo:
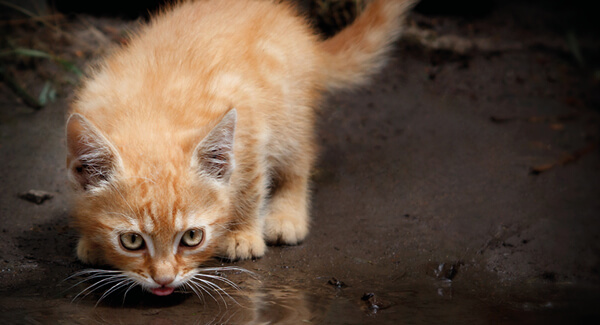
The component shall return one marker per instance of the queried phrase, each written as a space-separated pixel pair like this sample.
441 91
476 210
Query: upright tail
353 55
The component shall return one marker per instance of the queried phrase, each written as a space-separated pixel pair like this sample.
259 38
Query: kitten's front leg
287 221
244 237
242 244
88 252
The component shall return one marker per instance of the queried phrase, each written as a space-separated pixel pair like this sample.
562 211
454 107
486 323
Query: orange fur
188 125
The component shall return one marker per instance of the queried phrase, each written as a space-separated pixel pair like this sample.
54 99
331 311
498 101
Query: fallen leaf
569 158
565 159
536 170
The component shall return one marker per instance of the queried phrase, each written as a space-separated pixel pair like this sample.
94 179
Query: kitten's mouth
163 291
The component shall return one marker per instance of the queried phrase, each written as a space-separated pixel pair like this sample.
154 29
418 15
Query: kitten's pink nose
163 280
163 272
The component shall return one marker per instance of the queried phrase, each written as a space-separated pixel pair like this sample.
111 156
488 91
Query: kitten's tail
360 50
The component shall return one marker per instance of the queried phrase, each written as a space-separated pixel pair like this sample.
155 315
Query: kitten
175 140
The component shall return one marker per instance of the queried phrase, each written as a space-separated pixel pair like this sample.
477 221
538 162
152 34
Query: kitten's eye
192 237
132 241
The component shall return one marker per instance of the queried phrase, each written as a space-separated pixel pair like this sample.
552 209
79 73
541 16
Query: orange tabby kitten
177 138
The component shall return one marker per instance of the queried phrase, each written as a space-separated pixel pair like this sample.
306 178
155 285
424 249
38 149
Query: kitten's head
154 214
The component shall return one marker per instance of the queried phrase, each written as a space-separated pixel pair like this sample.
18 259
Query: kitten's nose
163 272
163 280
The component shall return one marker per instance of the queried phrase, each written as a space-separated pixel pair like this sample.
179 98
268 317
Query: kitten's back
190 66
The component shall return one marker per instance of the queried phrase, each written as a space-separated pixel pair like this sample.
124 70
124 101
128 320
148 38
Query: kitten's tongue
163 291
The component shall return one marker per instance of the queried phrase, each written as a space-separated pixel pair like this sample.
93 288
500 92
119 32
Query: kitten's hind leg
287 218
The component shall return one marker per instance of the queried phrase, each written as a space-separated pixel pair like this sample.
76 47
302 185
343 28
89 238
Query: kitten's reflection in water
253 303
282 305
264 305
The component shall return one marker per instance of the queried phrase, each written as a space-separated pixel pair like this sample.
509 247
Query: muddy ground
461 186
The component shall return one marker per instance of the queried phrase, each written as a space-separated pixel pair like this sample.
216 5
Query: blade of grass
32 53
18 8
575 48
45 93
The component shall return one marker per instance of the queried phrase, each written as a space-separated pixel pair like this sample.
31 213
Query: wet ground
461 186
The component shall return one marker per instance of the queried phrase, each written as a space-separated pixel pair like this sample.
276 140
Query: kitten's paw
285 230
88 252
242 245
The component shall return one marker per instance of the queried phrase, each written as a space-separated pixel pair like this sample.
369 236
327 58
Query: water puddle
257 305
299 298
318 302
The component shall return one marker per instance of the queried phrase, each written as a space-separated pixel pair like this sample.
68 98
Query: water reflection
302 302
255 304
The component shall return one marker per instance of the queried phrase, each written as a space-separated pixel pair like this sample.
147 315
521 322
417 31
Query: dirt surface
461 186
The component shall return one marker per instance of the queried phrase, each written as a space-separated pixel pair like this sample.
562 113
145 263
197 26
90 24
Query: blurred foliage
332 15
30 34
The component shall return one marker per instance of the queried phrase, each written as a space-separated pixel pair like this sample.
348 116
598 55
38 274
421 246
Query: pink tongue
163 291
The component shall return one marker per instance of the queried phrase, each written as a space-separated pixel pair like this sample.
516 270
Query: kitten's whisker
87 271
202 278
97 285
112 289
228 268
132 285
97 275
218 289
219 278
200 287
92 277
212 286
205 289
199 295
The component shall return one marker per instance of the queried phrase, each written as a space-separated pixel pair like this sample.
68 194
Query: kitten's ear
91 159
213 157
